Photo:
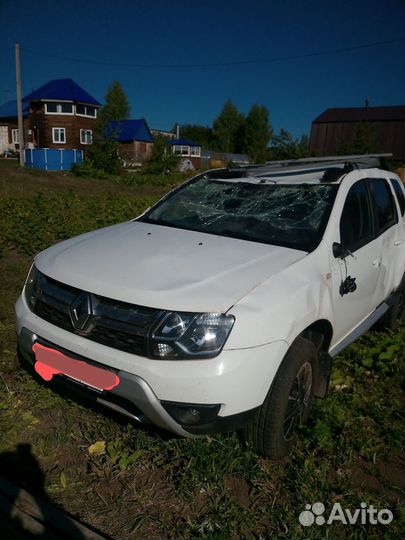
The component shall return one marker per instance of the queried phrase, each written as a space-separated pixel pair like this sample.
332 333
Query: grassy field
138 483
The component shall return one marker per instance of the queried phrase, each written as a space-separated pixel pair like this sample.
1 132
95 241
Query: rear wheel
273 430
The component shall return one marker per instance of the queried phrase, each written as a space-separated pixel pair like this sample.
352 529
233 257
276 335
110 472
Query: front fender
285 305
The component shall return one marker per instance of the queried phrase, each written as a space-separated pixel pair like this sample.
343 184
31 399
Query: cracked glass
259 210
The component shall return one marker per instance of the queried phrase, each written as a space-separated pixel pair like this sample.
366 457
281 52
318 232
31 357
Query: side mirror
337 250
340 251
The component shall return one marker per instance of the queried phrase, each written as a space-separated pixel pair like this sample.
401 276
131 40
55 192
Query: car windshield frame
234 184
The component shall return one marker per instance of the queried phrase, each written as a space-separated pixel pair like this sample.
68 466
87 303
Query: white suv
222 306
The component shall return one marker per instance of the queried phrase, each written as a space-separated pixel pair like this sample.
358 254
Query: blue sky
172 39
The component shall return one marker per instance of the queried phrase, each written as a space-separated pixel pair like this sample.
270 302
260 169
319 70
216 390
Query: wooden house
335 130
135 137
59 114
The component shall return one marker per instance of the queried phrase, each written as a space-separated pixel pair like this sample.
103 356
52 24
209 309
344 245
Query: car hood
164 267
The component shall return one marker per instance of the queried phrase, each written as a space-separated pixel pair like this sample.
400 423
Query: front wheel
273 430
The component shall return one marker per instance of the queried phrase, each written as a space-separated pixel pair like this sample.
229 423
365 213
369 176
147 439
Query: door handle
398 242
377 262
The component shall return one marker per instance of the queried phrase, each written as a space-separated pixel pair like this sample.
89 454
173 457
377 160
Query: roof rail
289 166
312 160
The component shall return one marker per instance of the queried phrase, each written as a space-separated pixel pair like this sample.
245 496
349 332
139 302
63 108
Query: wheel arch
320 332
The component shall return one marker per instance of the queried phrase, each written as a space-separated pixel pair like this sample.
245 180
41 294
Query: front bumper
225 390
138 400
134 398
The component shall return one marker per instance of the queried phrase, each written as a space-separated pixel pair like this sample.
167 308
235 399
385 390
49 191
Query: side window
386 213
400 194
356 226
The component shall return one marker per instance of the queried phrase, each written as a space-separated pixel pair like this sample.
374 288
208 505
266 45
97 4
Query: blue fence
50 159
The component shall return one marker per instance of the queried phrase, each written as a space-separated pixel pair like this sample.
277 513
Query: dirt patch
238 490
74 457
132 504
363 477
380 478
394 472
197 507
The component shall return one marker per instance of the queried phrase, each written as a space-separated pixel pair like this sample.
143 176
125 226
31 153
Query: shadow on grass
23 516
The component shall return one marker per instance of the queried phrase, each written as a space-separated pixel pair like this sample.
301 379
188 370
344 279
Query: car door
387 230
356 287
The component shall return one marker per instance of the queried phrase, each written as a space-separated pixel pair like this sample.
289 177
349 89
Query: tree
228 129
198 133
285 146
105 152
258 133
162 159
116 106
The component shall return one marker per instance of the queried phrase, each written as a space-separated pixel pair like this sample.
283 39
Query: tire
396 313
273 431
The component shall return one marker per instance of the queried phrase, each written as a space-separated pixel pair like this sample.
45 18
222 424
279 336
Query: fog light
188 414
191 416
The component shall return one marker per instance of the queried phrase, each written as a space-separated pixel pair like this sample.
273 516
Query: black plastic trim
223 424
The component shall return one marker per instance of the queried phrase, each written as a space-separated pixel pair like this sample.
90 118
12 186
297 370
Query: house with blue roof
135 137
60 114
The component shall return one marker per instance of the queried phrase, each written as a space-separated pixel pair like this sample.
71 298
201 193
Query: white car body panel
378 267
164 267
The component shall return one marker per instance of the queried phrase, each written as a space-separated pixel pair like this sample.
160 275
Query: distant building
161 132
136 139
212 159
9 125
336 129
59 114
189 151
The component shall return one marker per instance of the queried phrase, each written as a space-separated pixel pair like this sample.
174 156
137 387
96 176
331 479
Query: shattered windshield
290 215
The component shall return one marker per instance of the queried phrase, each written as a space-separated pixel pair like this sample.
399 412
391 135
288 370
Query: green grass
145 483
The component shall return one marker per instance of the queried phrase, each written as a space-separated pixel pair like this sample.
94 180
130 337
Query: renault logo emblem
80 311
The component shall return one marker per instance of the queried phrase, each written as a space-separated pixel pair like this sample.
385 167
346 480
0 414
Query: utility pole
19 105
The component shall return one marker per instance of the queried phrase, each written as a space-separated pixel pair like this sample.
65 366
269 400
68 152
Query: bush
162 160
103 158
87 169
105 155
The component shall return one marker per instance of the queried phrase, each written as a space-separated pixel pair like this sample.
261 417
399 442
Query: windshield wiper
145 219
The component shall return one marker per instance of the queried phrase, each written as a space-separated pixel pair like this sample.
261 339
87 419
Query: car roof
330 170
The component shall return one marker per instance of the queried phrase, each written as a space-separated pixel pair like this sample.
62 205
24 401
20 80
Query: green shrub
105 155
162 160
87 169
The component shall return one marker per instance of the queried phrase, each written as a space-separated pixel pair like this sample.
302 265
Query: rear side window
386 213
356 227
400 194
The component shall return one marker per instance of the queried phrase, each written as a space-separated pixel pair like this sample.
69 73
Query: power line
218 64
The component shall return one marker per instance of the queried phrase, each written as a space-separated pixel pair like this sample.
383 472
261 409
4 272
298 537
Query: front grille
116 324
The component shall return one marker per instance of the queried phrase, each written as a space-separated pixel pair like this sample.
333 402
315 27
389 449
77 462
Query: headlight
191 335
31 287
